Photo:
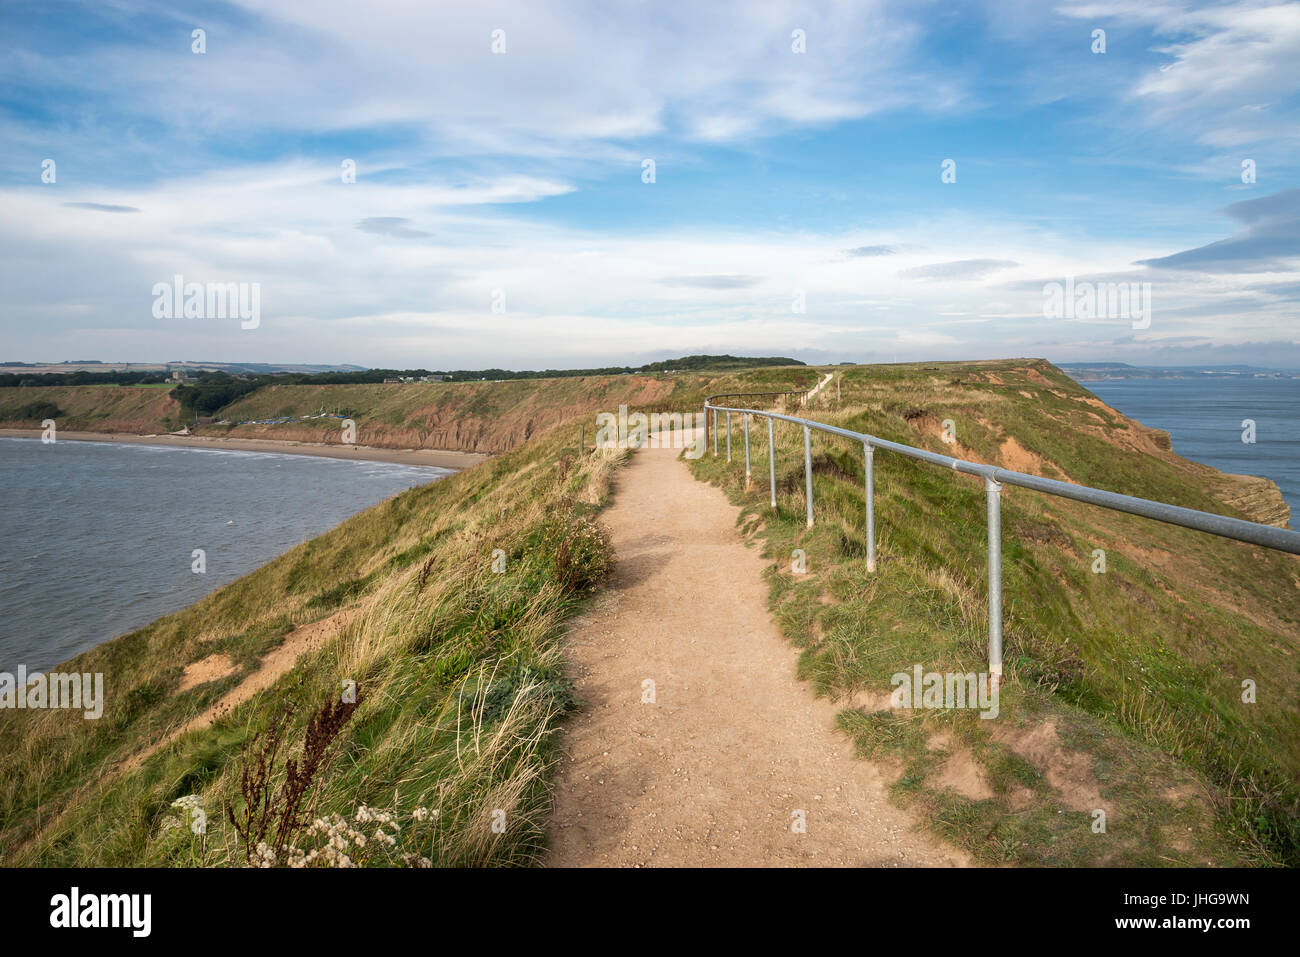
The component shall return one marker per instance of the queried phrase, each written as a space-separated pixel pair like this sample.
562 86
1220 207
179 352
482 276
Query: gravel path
733 751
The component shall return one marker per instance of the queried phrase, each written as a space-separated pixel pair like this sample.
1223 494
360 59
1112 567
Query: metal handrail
1266 536
731 395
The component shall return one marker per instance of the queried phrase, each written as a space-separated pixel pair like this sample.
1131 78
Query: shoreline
438 458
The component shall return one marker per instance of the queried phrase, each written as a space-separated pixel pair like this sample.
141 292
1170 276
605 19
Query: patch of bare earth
697 745
927 423
272 667
207 669
1018 458
960 771
1069 772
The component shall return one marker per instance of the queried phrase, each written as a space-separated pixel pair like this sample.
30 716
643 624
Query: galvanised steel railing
1266 536
802 393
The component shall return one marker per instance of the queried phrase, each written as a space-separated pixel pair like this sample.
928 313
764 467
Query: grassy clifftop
136 409
442 606
465 416
1125 685
445 608
485 417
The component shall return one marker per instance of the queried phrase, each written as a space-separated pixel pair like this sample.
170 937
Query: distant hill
486 410
684 364
95 372
187 366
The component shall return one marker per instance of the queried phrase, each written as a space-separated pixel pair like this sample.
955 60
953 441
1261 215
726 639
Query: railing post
771 461
869 454
728 436
807 471
715 433
746 451
994 491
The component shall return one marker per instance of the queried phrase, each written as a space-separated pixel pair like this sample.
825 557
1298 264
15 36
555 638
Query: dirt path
812 394
714 771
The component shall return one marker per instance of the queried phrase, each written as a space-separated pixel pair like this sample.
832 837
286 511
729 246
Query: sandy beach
437 457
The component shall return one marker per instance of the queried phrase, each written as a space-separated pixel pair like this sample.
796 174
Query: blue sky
781 177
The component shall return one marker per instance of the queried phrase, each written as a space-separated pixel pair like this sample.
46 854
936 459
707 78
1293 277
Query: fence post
869 453
994 491
715 433
771 461
728 436
807 471
746 451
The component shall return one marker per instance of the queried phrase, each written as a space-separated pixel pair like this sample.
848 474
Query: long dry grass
461 590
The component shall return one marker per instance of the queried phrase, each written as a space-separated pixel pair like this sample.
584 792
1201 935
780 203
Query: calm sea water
1204 416
97 537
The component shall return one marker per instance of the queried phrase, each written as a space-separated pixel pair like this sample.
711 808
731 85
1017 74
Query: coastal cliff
1126 641
1258 498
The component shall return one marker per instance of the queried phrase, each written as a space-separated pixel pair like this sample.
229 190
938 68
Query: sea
98 539
1204 417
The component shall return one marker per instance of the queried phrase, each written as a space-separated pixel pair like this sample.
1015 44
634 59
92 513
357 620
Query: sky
570 184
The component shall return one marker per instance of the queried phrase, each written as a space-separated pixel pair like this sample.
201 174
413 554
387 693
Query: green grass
458 668
1139 669
470 416
105 408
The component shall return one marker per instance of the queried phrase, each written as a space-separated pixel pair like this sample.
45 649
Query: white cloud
422 294
572 74
1225 64
400 267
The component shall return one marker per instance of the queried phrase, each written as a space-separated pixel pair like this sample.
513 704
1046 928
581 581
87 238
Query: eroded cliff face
458 435
1014 401
1258 497
472 417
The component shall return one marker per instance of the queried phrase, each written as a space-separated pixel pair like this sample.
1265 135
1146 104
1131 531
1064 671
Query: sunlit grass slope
469 416
1135 673
457 667
109 408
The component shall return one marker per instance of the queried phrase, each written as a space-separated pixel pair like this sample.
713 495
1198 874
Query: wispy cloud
397 226
711 282
779 173
103 207
860 252
959 269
